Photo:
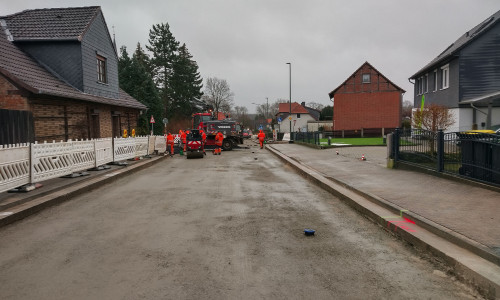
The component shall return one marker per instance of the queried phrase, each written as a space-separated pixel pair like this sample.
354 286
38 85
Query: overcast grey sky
248 43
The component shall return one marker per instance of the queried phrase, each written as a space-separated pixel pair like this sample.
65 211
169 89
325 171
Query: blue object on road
309 231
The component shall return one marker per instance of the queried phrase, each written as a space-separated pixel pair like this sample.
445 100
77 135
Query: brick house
465 78
300 115
367 100
59 77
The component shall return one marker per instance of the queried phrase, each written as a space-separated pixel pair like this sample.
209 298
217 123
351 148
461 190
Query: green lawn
378 141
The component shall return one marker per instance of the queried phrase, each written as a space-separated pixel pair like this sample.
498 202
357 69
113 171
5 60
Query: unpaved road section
221 227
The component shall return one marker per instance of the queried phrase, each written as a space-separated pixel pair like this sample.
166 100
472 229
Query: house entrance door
116 126
95 130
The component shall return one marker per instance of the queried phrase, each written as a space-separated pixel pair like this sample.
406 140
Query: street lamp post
290 113
266 113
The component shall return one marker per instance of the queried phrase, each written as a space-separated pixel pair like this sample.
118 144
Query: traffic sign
290 118
279 119
152 119
165 120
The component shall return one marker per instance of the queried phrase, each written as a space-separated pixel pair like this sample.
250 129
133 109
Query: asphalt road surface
221 227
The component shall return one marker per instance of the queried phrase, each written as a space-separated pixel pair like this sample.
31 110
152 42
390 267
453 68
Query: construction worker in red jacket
218 143
184 139
261 137
170 142
203 140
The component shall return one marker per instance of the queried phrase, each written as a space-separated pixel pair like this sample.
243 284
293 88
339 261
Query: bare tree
407 108
262 110
433 117
270 112
315 105
240 111
240 114
274 108
218 94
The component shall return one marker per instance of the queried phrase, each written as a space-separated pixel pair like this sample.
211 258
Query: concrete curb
60 195
471 262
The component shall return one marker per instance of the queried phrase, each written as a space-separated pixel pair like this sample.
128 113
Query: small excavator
194 148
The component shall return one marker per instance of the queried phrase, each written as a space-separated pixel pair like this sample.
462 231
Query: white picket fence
30 163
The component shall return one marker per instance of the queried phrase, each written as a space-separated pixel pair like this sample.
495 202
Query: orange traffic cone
363 157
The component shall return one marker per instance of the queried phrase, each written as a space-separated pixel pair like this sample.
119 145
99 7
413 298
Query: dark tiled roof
28 74
314 113
462 41
51 23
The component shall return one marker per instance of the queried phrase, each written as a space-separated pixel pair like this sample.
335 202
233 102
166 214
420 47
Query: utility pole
290 113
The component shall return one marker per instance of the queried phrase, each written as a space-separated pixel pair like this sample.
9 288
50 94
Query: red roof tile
296 108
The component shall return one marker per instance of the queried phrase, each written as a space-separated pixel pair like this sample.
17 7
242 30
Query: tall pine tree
186 83
142 58
163 47
137 82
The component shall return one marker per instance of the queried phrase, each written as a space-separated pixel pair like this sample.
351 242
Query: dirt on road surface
221 227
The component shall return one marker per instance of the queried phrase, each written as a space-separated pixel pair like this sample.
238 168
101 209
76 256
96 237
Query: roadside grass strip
355 141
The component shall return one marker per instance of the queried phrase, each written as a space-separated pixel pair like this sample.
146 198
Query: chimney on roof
303 104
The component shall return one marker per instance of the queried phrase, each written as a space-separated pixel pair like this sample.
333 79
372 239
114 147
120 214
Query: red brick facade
11 97
367 110
62 119
374 103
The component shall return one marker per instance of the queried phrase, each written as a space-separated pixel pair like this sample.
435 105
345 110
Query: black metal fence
307 137
468 154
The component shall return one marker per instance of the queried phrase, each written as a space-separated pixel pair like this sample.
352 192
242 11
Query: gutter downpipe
488 116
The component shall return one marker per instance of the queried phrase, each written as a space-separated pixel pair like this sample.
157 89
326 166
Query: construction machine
232 131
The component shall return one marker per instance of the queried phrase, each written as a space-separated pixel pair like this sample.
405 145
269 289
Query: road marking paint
399 223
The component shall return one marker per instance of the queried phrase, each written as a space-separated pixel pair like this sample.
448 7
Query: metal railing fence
307 137
467 154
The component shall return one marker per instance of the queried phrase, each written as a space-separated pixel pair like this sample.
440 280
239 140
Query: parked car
496 128
477 135
479 131
247 134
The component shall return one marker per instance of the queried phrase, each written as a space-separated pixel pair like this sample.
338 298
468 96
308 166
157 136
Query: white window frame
435 80
426 83
368 76
445 77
